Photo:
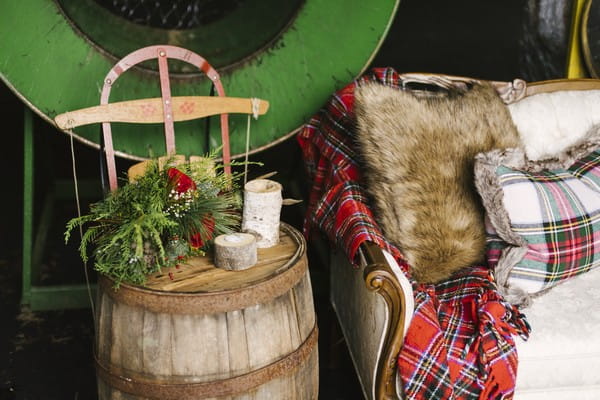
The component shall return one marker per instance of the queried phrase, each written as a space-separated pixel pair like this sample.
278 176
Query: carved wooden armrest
380 278
510 92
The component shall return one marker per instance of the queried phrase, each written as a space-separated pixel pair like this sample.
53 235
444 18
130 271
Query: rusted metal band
215 302
144 387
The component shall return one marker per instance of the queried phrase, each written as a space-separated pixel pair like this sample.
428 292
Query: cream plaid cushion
543 218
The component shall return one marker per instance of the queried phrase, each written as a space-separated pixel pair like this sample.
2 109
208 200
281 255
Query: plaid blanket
460 343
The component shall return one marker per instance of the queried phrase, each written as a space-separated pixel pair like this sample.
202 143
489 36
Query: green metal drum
55 54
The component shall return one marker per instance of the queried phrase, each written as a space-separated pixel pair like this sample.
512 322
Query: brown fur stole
418 155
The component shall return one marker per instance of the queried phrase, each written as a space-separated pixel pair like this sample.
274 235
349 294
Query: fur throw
418 154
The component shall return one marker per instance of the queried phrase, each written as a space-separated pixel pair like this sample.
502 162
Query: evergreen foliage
159 220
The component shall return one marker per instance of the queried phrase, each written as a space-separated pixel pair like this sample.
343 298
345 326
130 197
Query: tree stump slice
236 251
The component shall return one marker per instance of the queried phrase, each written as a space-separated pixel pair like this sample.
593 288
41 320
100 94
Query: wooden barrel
212 333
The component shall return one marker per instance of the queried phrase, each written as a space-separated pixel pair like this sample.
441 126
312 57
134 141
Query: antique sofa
374 302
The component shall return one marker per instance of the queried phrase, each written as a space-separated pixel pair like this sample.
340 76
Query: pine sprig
156 222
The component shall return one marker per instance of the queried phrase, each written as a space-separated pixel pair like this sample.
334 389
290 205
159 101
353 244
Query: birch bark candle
262 209
236 251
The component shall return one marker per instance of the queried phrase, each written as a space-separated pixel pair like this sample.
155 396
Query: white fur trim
549 123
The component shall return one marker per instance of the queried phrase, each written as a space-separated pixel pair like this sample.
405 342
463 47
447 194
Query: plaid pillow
543 218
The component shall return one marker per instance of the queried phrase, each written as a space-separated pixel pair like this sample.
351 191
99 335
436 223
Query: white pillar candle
262 209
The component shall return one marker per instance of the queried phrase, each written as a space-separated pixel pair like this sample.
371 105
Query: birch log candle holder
262 209
235 251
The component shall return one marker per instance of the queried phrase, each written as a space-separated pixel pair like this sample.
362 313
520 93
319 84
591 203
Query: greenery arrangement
159 220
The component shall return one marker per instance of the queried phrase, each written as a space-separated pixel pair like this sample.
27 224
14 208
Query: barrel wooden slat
117 333
266 348
202 344
222 346
292 316
130 321
283 324
305 377
262 352
304 306
104 330
157 342
237 343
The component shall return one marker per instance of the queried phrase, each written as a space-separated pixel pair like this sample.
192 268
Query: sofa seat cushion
563 351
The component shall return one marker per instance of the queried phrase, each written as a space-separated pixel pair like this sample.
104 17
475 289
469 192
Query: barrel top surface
200 275
201 287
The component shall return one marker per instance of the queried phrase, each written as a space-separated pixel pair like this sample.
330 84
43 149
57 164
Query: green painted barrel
55 53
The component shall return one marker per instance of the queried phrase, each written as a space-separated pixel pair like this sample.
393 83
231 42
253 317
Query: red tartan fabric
459 344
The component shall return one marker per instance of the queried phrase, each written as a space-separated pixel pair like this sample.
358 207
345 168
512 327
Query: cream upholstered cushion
548 123
562 355
544 216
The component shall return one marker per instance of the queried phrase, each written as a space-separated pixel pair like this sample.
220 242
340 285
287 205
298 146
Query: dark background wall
470 38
